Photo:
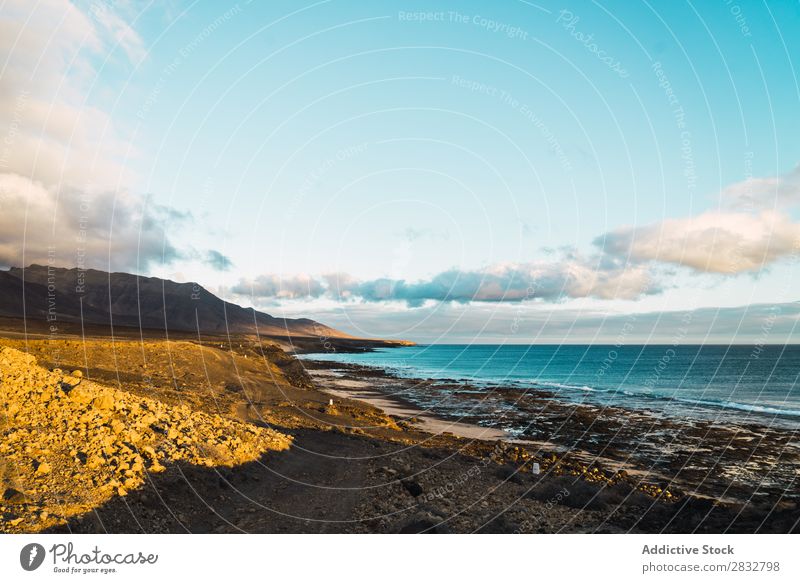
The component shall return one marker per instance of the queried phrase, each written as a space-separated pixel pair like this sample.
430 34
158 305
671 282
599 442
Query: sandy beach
346 388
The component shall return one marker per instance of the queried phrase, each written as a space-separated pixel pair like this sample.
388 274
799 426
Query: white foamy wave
554 385
749 407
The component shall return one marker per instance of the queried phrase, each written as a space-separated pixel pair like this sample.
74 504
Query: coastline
723 462
373 461
346 388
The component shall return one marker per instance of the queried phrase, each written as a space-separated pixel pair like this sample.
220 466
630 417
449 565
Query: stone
94 462
100 441
412 487
422 523
13 496
80 395
104 402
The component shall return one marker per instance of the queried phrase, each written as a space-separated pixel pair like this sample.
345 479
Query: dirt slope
69 444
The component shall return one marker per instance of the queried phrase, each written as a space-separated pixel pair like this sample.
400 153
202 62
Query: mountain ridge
93 296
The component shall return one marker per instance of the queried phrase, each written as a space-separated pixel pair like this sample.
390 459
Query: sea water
752 383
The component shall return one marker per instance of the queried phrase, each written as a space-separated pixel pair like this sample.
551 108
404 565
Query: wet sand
345 388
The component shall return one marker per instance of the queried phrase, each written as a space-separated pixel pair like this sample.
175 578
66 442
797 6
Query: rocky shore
752 465
234 435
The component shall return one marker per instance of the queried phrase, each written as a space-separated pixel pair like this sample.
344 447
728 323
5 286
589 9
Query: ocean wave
617 396
715 403
749 407
554 385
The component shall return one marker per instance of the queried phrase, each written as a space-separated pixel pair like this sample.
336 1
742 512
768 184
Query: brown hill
122 299
70 444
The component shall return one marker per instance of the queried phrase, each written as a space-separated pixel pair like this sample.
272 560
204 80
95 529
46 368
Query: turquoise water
755 382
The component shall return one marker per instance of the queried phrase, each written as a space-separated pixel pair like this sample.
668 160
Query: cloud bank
217 261
64 185
110 230
572 277
491 323
55 133
750 231
713 242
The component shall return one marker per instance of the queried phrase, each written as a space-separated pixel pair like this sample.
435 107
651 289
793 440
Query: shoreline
345 388
359 390
725 462
351 467
717 412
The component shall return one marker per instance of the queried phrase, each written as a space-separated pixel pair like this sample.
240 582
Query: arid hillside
69 444
131 430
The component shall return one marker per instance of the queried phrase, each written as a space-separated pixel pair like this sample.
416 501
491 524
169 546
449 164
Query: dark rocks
423 523
412 487
13 496
509 473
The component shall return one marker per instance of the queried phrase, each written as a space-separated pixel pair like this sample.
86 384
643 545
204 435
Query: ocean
756 383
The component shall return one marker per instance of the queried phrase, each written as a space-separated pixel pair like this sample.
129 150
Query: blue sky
382 166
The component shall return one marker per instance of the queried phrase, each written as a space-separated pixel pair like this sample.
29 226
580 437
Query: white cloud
509 323
218 261
270 286
64 186
717 242
571 277
107 230
752 230
764 193
53 134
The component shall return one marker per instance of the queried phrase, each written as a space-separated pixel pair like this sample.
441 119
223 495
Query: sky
436 171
